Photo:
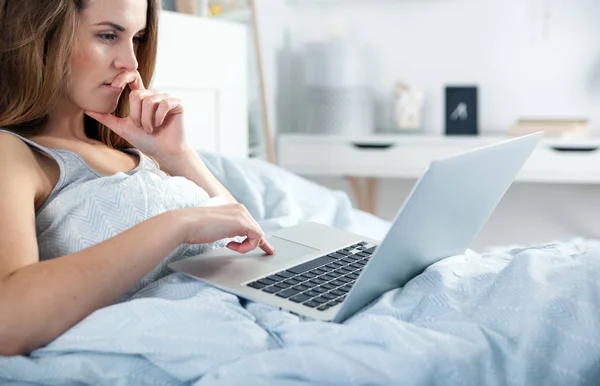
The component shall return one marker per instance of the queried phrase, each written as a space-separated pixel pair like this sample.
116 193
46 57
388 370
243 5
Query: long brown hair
36 43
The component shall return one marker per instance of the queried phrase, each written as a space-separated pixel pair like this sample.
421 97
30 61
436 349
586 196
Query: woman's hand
208 224
155 121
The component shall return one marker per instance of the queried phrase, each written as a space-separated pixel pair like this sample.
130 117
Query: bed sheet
524 315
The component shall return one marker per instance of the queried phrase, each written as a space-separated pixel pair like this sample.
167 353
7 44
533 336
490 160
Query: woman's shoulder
16 155
14 148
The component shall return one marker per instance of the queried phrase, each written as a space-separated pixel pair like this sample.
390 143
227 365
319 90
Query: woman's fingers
243 247
118 125
255 236
249 245
167 106
135 105
131 78
149 107
265 246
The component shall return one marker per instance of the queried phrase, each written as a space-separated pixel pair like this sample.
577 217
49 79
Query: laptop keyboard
320 283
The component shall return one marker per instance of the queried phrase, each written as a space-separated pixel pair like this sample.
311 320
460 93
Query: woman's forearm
191 166
42 300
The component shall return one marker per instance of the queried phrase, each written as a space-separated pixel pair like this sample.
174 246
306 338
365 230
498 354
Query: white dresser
556 195
204 62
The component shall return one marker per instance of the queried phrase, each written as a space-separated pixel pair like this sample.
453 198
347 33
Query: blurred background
359 95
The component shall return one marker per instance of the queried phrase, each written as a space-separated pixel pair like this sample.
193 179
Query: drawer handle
375 146
575 149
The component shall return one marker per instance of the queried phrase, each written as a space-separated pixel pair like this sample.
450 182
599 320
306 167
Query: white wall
530 58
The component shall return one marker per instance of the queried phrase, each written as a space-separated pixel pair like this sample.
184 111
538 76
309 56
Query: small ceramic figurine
408 107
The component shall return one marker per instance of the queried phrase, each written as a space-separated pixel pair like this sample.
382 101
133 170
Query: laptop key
311 264
266 281
337 293
300 288
291 281
276 278
336 255
287 293
256 285
320 300
324 307
271 289
320 289
328 286
299 298
312 294
282 285
342 252
311 304
370 250
285 274
329 296
309 284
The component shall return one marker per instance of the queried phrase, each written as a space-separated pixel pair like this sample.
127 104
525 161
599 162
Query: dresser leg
365 193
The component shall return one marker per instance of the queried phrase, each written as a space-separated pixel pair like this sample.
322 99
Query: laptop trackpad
287 251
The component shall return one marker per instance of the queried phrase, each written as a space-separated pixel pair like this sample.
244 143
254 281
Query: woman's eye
108 37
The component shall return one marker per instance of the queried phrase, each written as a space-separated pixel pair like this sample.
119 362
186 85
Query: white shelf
407 156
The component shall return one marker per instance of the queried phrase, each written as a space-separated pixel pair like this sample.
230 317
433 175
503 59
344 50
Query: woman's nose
127 59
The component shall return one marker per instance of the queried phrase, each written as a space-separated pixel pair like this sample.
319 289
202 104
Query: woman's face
107 39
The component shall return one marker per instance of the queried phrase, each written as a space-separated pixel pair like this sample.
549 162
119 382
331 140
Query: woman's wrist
189 164
177 222
176 164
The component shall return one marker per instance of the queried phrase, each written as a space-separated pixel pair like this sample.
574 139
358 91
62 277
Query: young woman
86 216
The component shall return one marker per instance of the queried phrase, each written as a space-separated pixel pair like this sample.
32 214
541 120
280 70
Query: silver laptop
329 274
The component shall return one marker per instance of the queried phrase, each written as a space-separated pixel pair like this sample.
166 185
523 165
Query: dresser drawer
408 157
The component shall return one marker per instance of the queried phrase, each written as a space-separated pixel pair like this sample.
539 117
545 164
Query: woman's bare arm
191 166
41 300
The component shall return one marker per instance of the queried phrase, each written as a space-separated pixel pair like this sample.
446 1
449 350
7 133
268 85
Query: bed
517 315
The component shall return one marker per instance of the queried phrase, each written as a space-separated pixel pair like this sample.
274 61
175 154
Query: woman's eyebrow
111 24
118 27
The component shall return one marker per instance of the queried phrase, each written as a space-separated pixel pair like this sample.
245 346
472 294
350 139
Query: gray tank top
86 207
